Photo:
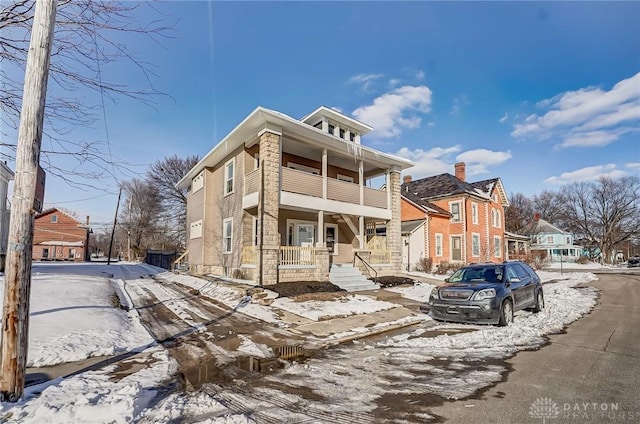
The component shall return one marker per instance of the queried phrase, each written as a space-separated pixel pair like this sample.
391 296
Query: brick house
58 236
280 199
454 221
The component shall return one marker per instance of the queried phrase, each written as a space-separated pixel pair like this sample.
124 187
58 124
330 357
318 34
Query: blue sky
539 94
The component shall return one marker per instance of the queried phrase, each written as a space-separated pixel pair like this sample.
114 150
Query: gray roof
408 226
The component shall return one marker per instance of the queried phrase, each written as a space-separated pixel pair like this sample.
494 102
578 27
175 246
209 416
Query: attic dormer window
352 137
331 129
54 219
341 133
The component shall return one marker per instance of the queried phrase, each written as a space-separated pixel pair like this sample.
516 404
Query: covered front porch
309 247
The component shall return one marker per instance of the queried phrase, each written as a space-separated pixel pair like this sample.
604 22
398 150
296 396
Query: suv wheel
506 313
539 302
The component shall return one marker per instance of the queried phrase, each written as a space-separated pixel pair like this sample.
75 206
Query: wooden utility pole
113 230
15 316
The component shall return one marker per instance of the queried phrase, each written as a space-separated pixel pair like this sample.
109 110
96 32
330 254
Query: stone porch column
394 232
269 202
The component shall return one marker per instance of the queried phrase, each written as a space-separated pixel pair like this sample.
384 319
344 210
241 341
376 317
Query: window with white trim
54 219
297 166
475 244
227 233
197 183
474 213
498 219
229 169
454 208
346 178
497 247
439 248
195 229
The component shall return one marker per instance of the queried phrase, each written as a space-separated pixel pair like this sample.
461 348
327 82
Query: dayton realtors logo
543 409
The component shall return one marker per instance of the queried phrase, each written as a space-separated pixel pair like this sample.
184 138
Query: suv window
520 272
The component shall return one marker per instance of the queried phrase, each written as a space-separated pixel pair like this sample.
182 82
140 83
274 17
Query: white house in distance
6 175
280 199
549 241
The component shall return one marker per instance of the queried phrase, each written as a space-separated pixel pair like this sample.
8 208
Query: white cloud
365 80
394 82
337 109
434 161
586 117
635 166
431 124
504 118
458 103
439 160
592 138
396 110
590 173
477 161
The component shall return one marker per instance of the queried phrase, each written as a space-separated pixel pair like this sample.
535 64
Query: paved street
589 374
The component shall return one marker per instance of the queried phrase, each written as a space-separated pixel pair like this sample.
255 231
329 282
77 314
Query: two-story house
280 199
6 175
552 243
59 236
454 221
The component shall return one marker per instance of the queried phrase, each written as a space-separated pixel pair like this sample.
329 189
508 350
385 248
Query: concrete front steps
349 278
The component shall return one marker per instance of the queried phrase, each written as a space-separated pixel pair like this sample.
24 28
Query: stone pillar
268 237
394 233
322 264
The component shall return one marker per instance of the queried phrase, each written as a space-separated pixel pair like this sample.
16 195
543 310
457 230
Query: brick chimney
406 179
460 171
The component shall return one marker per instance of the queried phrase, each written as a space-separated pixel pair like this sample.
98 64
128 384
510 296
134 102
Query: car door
527 286
515 285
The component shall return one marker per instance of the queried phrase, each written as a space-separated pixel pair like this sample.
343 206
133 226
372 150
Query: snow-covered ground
72 318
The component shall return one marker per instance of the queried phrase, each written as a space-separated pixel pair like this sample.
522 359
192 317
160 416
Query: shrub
445 267
582 260
424 264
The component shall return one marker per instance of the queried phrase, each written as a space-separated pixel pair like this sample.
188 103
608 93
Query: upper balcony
304 190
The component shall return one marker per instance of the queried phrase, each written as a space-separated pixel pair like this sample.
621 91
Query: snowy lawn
316 310
73 317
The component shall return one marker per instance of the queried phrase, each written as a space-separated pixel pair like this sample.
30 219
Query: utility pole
15 316
113 230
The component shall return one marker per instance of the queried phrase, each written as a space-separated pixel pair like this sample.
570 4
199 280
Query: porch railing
249 255
298 255
289 255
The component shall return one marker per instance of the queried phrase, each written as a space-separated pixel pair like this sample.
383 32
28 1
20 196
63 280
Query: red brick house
454 221
58 236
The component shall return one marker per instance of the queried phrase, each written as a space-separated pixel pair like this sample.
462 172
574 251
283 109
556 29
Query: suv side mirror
514 280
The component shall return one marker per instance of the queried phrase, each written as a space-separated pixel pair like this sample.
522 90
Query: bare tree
87 40
606 213
164 175
549 206
140 214
519 214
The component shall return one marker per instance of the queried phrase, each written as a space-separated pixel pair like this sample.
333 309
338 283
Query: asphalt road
590 374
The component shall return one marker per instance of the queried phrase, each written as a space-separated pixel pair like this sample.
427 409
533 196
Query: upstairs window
228 176
342 133
332 129
54 219
455 212
474 213
352 137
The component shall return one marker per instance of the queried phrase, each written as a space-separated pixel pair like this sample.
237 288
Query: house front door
456 248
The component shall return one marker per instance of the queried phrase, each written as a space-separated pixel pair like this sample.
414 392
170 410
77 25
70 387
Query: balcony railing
300 182
252 181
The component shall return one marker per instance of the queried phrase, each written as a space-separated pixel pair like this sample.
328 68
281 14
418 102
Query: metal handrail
366 264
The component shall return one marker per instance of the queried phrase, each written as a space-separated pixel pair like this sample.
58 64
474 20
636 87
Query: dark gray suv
487 293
